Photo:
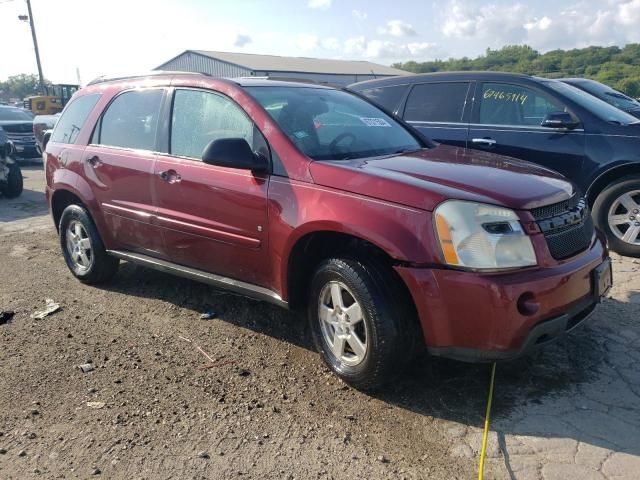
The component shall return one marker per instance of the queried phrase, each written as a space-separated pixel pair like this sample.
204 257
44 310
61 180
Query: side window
506 104
131 121
73 118
199 117
387 97
437 102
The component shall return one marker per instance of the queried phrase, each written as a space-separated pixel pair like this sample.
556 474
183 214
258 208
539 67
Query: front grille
18 128
567 226
21 137
556 209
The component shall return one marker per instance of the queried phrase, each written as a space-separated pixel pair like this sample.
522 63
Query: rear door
440 110
214 218
119 165
506 120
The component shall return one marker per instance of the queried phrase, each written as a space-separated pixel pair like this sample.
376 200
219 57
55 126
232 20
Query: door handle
94 161
170 176
487 142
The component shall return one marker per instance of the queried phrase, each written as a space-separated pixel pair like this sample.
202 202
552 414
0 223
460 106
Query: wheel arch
608 176
315 246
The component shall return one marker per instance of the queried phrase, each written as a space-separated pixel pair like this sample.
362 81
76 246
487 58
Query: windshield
15 114
599 108
611 96
330 124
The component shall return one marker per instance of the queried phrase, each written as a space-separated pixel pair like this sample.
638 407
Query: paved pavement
578 414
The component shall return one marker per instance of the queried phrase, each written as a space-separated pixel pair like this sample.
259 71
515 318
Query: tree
613 66
20 86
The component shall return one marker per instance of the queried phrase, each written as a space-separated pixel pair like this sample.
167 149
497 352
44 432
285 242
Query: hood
424 178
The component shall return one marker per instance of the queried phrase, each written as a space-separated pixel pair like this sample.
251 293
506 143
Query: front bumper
26 151
476 317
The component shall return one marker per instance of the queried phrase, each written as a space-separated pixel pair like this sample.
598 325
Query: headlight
479 236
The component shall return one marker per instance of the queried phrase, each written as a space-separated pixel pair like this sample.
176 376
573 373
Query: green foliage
20 86
614 66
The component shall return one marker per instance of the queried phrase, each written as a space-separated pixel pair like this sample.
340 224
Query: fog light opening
527 304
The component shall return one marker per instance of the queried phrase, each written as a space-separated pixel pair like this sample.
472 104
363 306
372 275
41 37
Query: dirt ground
266 407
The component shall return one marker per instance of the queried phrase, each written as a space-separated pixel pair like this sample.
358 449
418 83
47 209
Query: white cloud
359 14
307 41
242 40
330 43
421 50
319 4
575 25
389 51
397 28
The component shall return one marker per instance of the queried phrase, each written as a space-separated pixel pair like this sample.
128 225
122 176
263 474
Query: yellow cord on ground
487 419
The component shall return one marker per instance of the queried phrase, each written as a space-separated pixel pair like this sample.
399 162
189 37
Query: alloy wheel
624 217
342 323
79 247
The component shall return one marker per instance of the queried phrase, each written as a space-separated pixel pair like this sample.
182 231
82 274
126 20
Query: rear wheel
617 213
13 186
361 323
83 249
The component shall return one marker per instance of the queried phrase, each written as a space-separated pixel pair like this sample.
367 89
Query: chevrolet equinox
315 199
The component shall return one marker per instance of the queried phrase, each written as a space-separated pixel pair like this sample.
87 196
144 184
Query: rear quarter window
387 97
70 123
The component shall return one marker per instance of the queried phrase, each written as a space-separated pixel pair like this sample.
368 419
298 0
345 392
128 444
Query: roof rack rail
152 73
276 78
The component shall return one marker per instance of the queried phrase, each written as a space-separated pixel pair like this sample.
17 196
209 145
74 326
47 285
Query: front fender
297 209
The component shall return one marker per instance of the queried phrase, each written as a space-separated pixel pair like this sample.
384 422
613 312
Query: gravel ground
265 407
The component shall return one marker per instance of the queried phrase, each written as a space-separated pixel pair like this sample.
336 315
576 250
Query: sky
107 37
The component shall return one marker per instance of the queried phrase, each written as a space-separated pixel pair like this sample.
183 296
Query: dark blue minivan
547 122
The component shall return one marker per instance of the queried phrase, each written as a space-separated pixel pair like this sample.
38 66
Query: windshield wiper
406 150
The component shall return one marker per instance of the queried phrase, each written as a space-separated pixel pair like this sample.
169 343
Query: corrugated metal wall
192 62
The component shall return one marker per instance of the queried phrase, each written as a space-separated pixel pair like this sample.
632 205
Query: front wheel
360 321
616 211
83 249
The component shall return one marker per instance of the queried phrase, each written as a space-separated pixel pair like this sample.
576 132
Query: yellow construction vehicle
53 101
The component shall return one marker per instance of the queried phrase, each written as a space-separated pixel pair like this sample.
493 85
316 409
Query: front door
119 165
213 218
506 120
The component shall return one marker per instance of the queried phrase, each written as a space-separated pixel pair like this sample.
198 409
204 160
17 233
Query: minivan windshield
327 124
599 108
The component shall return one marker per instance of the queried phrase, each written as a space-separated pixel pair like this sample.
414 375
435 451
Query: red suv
315 199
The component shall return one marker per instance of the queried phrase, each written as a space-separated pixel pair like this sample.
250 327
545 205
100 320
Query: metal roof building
228 64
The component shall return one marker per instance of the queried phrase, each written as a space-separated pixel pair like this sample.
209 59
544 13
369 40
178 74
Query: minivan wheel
82 247
359 326
13 186
617 212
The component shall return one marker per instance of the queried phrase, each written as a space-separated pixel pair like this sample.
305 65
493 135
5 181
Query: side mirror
559 120
233 153
45 139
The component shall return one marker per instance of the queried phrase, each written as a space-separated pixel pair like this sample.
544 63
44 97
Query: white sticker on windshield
375 122
300 134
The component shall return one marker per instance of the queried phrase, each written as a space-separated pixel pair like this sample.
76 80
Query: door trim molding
237 286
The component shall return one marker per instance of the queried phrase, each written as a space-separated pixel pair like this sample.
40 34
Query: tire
13 186
83 249
386 329
609 203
